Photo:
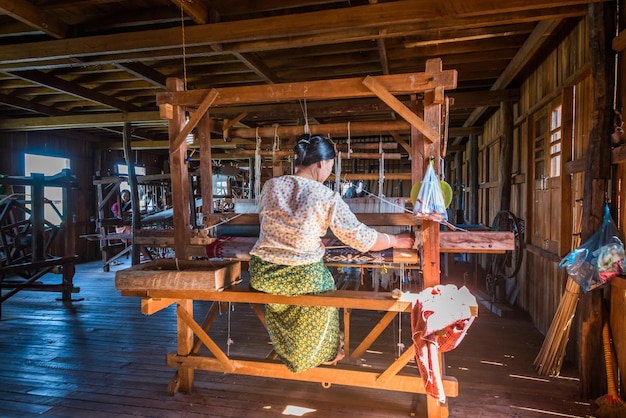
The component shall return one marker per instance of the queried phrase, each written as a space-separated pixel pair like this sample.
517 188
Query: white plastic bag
430 203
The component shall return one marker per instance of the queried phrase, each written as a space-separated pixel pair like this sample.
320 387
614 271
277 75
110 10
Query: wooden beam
596 182
180 175
30 106
531 46
28 13
80 121
195 117
196 10
252 30
75 89
144 72
257 66
400 108
314 90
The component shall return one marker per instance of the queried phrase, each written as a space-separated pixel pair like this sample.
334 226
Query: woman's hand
385 241
403 240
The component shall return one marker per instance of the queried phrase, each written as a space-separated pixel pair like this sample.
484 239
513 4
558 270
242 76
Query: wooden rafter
26 12
363 17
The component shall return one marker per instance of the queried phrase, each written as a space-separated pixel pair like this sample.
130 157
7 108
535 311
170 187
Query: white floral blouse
295 213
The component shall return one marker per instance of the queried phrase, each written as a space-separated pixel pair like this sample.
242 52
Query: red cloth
440 318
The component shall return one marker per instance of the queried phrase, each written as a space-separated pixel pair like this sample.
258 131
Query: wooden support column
472 174
206 166
185 346
179 172
597 174
37 192
459 198
506 155
432 152
134 192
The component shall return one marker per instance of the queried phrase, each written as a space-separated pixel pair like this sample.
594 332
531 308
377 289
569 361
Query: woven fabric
303 336
440 318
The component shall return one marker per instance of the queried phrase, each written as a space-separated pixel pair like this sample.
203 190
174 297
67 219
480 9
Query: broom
611 406
550 357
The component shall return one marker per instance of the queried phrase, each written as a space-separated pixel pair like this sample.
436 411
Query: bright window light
48 166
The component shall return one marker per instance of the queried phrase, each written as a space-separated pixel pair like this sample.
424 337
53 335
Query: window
122 169
555 142
48 166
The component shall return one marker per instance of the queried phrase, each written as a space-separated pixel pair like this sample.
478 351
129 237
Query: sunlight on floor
547 413
297 411
538 379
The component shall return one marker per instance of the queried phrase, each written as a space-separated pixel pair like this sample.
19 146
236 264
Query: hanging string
182 26
229 341
402 273
305 113
276 146
349 147
442 169
381 170
257 165
338 173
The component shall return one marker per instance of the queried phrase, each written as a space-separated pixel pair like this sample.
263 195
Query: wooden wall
15 145
84 156
560 72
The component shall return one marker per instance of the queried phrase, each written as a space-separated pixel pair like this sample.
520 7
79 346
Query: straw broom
550 357
611 406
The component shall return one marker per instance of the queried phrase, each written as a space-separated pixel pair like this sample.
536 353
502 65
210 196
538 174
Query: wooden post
506 155
134 192
597 174
185 346
206 166
458 180
472 174
180 175
37 192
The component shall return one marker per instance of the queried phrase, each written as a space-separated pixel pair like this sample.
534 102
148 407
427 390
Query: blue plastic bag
598 259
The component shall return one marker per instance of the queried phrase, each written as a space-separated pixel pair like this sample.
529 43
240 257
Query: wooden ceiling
84 67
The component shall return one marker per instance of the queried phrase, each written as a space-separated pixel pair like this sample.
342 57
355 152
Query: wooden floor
100 357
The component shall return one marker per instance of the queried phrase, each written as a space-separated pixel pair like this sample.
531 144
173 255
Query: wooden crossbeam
400 108
326 375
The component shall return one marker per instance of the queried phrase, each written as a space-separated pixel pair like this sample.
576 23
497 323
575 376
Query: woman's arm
384 241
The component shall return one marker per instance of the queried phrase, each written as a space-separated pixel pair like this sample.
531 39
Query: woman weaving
295 212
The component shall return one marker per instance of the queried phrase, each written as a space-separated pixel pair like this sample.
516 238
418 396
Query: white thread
306 117
338 173
229 341
257 166
223 222
349 147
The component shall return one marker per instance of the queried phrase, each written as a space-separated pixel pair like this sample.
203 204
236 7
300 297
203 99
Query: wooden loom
157 292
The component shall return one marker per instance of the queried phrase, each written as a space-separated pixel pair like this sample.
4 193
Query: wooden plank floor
100 357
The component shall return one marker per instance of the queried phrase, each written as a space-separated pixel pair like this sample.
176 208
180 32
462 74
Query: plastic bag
430 203
597 260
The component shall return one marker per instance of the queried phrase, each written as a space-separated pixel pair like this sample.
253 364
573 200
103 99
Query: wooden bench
160 288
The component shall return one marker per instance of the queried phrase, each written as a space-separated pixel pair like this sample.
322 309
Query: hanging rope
229 341
182 26
349 147
442 169
257 166
401 273
338 173
276 145
305 113
381 170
